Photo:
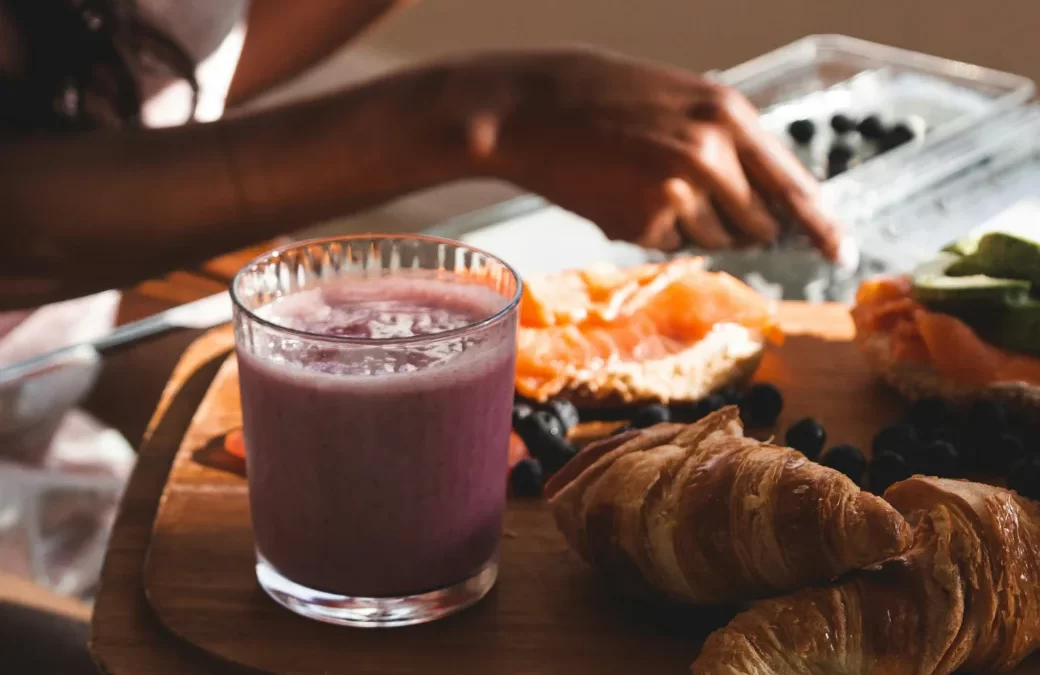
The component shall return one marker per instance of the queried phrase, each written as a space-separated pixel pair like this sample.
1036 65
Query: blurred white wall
689 33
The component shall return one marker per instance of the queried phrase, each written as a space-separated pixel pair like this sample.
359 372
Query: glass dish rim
498 316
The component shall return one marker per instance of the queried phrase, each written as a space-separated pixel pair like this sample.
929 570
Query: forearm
285 38
82 213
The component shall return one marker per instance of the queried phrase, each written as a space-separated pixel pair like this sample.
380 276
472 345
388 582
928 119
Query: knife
201 314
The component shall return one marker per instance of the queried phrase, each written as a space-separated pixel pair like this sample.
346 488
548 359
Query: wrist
409 135
458 109
451 112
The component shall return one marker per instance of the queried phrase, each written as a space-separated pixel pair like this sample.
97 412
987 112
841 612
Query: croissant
966 596
701 514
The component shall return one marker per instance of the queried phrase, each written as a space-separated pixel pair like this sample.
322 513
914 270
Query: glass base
346 610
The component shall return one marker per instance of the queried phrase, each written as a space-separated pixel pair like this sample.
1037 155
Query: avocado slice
1022 225
962 247
932 286
1015 327
999 254
973 290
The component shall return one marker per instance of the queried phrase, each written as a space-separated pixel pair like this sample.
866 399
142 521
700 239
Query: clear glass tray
821 75
999 188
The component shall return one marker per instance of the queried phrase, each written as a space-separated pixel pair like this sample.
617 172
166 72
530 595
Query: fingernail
680 194
846 258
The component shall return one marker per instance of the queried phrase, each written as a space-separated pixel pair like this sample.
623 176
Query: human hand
649 153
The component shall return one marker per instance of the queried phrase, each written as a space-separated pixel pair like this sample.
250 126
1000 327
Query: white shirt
212 32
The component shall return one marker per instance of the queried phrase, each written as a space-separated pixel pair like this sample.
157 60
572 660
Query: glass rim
504 311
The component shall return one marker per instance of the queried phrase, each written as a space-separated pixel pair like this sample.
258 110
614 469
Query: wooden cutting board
547 614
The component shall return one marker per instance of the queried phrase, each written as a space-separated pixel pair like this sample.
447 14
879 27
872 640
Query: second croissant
965 596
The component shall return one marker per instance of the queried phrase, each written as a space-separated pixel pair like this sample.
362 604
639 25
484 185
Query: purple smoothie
378 469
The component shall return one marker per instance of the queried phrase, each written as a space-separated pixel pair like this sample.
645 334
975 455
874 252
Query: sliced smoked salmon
627 334
884 306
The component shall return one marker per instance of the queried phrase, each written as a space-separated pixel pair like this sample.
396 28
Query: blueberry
871 127
836 168
761 405
686 411
843 124
927 413
710 404
807 436
962 448
1002 453
948 433
802 131
986 417
1024 478
885 469
964 443
839 153
896 136
939 458
1026 426
898 438
553 459
549 422
520 411
730 395
848 459
543 435
838 159
566 412
526 479
649 415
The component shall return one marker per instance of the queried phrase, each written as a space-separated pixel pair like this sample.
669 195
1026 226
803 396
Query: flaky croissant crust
702 514
966 596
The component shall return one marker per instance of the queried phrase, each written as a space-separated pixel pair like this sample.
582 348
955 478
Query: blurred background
695 35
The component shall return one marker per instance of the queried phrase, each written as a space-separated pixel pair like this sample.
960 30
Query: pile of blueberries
877 137
933 439
544 428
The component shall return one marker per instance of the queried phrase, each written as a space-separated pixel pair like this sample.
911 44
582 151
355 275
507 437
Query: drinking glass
377 378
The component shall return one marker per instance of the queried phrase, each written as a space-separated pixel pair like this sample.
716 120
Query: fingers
706 160
716 163
683 212
784 179
793 189
695 216
660 232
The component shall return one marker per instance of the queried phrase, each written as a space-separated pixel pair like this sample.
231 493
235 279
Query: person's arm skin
110 208
285 38
637 148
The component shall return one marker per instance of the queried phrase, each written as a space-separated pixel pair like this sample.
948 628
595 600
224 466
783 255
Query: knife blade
200 314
